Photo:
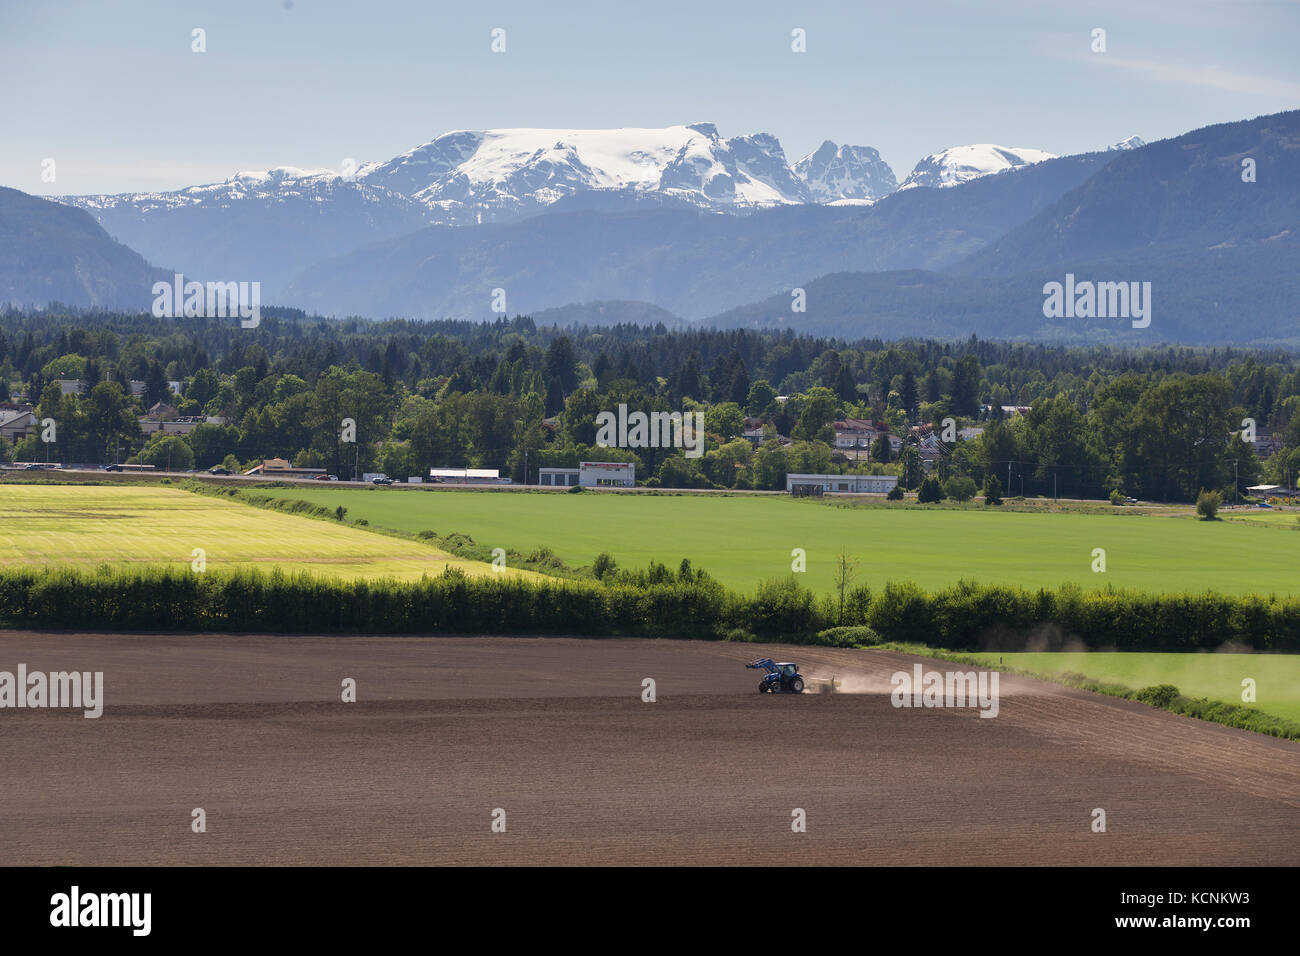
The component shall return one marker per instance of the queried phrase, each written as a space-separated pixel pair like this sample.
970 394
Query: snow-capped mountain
836 174
276 223
283 183
489 173
961 164
1133 142
475 176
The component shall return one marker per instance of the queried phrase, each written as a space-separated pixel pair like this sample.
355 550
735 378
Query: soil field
555 733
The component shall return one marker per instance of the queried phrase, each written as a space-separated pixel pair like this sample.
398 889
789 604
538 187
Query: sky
117 97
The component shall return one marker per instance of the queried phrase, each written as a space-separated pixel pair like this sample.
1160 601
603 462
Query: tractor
781 678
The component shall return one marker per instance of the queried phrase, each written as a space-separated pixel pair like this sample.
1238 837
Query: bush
963 617
960 488
604 565
1160 695
857 636
930 491
993 491
577 490
784 608
895 493
1207 504
1117 498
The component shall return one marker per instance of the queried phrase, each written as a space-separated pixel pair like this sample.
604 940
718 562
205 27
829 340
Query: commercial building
282 468
467 476
590 474
846 484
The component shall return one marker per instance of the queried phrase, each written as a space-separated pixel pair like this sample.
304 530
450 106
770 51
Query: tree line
1158 423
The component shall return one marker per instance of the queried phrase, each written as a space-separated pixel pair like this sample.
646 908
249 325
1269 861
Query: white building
467 476
590 474
846 484
855 433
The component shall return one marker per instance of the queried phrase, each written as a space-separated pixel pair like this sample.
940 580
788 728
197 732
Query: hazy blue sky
113 93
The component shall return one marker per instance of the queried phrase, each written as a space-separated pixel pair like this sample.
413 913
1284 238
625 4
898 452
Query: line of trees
1154 423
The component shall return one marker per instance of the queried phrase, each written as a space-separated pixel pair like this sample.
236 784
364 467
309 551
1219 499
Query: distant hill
50 252
1222 255
1173 197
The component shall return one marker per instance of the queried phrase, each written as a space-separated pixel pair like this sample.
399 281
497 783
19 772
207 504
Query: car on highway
218 470
381 481
112 468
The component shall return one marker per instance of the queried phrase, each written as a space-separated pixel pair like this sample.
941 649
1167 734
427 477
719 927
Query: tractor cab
780 678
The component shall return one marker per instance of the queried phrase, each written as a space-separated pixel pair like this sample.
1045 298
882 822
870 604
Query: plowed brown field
554 732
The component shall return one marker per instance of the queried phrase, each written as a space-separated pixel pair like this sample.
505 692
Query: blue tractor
779 678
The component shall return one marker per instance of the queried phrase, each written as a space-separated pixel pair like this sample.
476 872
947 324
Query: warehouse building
590 474
846 484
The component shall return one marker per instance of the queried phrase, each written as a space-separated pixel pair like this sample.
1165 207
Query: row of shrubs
966 616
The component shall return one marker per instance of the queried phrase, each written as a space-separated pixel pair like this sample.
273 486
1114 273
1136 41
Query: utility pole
525 466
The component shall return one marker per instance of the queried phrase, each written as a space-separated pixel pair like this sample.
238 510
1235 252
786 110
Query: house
161 411
855 432
846 484
176 426
1267 445
1008 410
970 433
17 423
71 386
590 474
753 431
924 436
1271 491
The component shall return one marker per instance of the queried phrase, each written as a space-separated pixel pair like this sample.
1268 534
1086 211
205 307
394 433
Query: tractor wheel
762 687
796 686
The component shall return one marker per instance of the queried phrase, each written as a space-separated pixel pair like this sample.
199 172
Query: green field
1215 676
141 524
741 540
1275 518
